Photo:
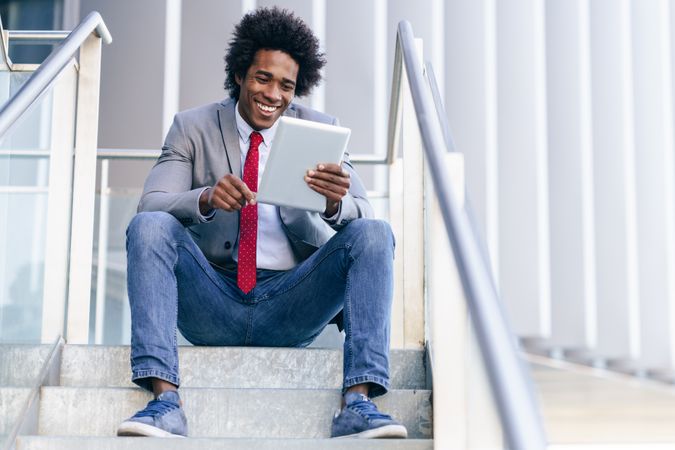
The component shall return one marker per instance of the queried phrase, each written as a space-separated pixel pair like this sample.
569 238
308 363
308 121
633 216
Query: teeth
266 108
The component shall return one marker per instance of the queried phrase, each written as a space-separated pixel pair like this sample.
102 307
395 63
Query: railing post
102 265
59 205
5 62
448 323
84 186
463 401
407 186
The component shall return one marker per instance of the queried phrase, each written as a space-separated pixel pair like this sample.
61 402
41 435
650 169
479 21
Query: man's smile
266 108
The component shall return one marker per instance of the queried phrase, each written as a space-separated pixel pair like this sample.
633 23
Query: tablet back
299 145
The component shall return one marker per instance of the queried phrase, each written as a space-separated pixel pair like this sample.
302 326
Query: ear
237 79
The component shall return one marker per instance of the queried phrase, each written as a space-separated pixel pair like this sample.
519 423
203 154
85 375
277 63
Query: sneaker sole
385 432
142 429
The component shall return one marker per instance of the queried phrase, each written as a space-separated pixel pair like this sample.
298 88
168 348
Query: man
205 258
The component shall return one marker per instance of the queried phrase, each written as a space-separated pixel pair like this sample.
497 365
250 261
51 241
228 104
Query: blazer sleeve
168 187
355 204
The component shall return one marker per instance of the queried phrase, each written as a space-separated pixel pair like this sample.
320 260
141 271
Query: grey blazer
200 148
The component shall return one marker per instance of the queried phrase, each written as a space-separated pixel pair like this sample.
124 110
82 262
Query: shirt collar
245 130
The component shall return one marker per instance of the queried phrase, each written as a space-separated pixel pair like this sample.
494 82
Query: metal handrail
127 153
43 77
511 385
43 37
132 153
438 103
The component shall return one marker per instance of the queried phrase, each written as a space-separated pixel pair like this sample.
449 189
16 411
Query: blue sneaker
361 419
162 417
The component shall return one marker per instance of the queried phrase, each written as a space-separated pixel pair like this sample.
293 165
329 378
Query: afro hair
274 29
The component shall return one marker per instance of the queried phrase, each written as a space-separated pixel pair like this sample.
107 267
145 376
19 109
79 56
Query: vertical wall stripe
491 150
541 130
614 282
172 37
630 181
669 166
318 100
380 49
438 43
587 197
380 83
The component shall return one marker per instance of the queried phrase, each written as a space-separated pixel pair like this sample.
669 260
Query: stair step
107 443
231 413
20 364
231 367
12 399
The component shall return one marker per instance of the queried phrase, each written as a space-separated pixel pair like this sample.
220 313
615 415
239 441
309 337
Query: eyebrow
269 74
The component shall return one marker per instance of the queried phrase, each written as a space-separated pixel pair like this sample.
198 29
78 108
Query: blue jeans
172 285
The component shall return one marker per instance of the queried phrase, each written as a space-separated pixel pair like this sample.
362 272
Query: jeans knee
373 234
148 227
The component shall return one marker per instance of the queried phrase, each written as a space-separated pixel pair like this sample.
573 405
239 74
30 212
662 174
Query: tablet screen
299 145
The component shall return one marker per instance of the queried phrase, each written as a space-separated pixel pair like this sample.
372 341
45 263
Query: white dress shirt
274 250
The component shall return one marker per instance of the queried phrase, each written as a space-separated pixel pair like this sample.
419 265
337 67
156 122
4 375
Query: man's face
268 88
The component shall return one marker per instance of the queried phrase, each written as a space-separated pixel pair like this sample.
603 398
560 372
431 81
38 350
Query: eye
261 79
287 87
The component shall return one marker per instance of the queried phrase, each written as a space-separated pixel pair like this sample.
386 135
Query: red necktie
248 222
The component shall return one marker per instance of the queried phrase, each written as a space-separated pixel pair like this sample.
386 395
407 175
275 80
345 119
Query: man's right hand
229 193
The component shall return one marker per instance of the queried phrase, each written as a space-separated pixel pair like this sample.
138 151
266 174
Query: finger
330 178
332 168
235 193
244 190
224 205
224 189
237 189
330 195
328 186
337 184
224 201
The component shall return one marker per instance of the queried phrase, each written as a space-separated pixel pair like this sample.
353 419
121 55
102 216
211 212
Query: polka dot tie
248 221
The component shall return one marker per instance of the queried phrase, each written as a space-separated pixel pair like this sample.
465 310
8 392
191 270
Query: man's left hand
331 181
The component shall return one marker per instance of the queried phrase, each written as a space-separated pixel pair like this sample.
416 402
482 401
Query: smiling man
205 258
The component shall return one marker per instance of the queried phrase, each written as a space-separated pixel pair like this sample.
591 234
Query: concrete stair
20 364
107 443
12 400
236 367
234 398
299 413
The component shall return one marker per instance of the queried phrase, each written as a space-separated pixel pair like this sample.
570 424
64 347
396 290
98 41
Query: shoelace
157 408
368 410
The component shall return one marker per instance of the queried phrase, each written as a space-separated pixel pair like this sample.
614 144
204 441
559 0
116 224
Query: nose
273 92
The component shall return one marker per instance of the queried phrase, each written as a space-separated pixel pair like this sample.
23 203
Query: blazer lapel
228 130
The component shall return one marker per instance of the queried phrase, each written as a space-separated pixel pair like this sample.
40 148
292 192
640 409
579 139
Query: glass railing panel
10 82
25 170
23 201
24 179
23 277
111 319
31 207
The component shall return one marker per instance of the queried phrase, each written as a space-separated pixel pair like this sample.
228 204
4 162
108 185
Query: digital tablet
299 145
